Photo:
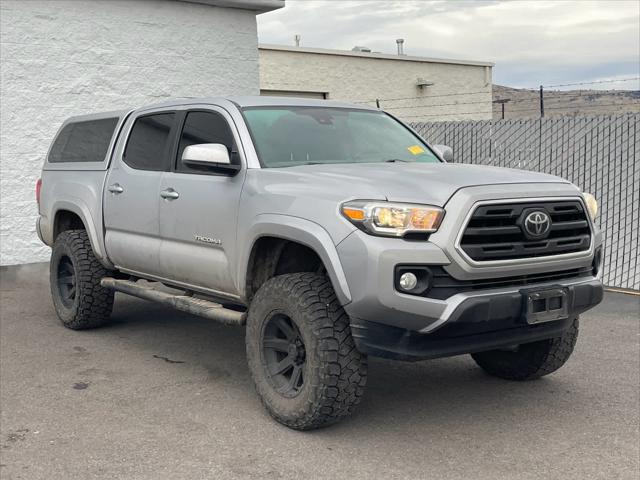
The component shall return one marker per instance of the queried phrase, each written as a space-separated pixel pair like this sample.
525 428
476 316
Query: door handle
115 188
169 194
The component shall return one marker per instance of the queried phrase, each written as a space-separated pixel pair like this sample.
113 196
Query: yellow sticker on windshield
416 149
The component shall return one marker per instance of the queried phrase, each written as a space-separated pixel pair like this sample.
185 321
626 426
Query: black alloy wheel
301 355
66 281
283 354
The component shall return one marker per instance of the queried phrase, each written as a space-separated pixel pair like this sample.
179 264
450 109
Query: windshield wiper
394 160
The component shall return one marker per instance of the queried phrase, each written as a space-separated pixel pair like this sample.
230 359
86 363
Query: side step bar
186 303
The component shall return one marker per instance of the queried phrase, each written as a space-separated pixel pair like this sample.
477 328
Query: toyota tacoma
330 231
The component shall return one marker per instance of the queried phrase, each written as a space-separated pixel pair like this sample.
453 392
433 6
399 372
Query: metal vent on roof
361 49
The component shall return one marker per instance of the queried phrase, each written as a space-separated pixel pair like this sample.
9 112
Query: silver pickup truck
332 231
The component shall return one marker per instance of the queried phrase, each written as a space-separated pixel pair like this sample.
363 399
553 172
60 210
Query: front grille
444 285
496 232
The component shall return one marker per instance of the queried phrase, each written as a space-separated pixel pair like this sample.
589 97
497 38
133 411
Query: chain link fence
600 154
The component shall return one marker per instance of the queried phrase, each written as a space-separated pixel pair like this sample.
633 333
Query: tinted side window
149 142
83 141
206 127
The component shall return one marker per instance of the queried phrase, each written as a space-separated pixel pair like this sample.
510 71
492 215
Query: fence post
541 101
501 102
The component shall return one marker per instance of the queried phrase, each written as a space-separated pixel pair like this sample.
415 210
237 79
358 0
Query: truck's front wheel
302 357
75 273
531 360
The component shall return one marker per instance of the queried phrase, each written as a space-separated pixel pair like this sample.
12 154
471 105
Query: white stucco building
60 58
68 57
413 88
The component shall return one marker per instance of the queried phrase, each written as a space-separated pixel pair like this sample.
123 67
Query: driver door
199 217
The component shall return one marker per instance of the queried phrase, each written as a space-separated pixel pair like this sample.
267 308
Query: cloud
531 42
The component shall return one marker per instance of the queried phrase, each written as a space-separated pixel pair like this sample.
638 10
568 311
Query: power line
426 98
577 107
533 109
612 80
531 90
586 92
555 106
550 100
551 95
409 107
442 114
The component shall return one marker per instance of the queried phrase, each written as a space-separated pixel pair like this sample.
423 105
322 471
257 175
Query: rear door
199 218
132 192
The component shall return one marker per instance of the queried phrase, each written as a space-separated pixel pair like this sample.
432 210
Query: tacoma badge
212 241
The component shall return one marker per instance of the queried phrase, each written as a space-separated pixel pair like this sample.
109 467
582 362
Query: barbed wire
577 107
446 114
532 90
532 109
409 107
551 94
568 107
548 100
610 80
426 98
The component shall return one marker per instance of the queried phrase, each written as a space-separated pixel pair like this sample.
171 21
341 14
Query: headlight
393 219
592 205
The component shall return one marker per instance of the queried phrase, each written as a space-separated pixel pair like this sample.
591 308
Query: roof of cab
260 101
257 101
239 101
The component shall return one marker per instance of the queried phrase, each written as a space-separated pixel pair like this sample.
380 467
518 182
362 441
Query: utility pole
541 102
501 102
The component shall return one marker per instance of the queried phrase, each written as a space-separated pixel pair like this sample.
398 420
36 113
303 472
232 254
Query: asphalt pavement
159 394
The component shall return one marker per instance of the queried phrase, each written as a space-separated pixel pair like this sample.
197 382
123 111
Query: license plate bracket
546 305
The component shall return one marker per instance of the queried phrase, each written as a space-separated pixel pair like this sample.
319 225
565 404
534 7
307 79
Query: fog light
412 279
408 281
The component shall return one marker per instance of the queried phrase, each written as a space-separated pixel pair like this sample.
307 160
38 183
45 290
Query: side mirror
208 156
445 152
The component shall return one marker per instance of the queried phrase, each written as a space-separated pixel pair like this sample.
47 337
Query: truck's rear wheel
530 360
74 276
302 357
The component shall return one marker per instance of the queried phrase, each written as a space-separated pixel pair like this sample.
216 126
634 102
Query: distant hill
526 103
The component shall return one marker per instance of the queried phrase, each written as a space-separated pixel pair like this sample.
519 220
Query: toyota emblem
537 224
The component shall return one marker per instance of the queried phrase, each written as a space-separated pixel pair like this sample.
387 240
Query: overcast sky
531 42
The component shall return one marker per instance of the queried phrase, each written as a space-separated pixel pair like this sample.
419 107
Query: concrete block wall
69 57
460 91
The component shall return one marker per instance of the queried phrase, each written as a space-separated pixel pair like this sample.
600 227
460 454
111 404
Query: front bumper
474 323
369 263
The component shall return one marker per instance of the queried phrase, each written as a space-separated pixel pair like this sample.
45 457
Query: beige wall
460 91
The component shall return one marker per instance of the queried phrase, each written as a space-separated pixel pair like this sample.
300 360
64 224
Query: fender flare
301 231
78 207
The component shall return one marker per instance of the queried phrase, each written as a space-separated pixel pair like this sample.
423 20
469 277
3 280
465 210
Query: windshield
289 136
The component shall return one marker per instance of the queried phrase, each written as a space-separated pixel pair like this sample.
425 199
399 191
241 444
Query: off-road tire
92 304
335 372
531 360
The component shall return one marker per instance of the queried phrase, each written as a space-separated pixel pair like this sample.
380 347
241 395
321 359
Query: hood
428 183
